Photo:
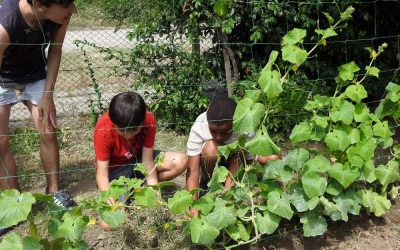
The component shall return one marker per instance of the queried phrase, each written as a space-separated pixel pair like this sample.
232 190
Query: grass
25 140
88 16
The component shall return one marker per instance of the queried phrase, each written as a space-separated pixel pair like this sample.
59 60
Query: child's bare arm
147 159
234 164
193 174
263 160
102 179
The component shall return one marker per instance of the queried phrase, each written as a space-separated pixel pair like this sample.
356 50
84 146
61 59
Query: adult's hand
47 112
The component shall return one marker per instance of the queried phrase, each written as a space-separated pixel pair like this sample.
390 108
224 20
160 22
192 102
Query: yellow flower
92 221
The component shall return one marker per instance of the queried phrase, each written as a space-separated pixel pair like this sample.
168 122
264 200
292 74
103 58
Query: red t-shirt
112 147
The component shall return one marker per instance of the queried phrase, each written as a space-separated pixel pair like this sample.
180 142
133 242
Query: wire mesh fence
85 71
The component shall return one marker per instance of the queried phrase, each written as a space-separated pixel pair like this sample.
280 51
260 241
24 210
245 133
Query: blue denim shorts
129 170
31 92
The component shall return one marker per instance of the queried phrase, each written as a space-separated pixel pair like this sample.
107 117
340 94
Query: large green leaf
344 176
366 130
11 241
15 207
202 232
267 222
270 80
31 243
73 227
278 170
238 232
382 130
361 112
279 204
393 91
366 149
368 172
318 102
356 92
377 204
314 184
331 210
318 164
254 95
294 54
294 36
343 112
218 177
248 115
112 217
387 175
295 159
221 218
180 201
262 144
314 224
320 121
53 244
313 203
354 159
334 187
301 132
205 204
337 140
271 60
270 83
346 71
348 202
147 197
298 198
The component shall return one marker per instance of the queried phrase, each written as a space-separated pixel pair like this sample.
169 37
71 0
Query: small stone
101 237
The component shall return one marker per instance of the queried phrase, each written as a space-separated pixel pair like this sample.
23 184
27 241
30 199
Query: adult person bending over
211 129
27 27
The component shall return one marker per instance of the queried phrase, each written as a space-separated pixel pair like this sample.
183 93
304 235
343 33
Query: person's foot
62 199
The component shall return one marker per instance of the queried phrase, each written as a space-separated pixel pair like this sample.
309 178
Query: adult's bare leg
7 162
49 150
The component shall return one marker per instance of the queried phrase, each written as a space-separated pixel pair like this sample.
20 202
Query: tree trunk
231 67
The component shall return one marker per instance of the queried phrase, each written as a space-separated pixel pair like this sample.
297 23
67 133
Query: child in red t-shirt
125 136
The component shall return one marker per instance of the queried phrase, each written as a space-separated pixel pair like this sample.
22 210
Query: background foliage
251 30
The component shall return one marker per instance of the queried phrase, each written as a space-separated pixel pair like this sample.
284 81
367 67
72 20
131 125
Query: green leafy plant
64 229
315 186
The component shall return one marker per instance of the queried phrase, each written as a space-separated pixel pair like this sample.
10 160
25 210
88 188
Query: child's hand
111 201
195 212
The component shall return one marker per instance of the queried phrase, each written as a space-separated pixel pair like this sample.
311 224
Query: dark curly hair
221 108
